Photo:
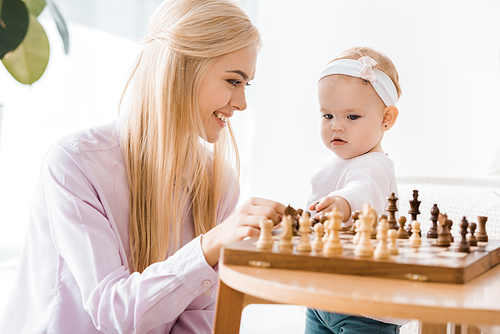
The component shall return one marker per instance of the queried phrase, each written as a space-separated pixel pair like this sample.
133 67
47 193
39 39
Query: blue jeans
322 322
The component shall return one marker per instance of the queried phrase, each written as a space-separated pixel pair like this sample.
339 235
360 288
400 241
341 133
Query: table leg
229 306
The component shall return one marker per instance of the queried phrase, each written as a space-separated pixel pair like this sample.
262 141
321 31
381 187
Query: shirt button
207 283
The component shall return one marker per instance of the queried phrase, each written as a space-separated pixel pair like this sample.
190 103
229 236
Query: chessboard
373 247
427 262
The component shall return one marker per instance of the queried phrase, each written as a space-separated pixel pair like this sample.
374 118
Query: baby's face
352 115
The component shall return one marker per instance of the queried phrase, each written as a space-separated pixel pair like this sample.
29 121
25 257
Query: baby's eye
353 117
327 116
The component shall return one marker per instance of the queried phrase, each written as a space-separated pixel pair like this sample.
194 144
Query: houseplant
24 46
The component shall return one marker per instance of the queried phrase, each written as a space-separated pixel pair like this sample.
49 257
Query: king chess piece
392 208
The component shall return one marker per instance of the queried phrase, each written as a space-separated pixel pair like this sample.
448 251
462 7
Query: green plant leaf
35 7
28 62
60 24
14 21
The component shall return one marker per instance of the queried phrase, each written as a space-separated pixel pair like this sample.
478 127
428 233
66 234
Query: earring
386 125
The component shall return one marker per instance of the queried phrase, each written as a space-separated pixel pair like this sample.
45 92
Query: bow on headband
367 72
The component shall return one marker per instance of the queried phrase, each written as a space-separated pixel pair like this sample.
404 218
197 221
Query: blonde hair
169 168
384 63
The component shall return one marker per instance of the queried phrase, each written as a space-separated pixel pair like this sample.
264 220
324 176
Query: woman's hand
244 222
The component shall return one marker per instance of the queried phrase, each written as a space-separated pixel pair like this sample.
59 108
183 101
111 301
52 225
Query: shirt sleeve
367 181
116 300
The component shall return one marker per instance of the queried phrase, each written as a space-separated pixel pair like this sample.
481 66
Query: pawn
318 243
285 243
332 244
304 244
265 241
472 238
393 246
381 251
415 239
402 234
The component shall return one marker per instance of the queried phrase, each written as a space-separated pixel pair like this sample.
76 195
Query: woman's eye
234 82
327 116
352 117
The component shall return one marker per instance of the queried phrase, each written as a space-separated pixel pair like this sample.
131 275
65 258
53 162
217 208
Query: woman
128 218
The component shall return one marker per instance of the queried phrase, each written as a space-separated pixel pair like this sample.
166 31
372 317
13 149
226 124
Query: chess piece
432 233
318 243
393 246
392 208
289 211
382 251
481 234
352 228
472 238
355 239
402 234
332 244
304 244
265 241
364 247
285 243
443 239
415 239
414 205
464 244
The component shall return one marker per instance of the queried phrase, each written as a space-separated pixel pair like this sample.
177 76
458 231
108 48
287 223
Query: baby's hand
324 205
327 203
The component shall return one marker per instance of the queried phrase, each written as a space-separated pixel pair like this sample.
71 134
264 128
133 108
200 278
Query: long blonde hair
169 168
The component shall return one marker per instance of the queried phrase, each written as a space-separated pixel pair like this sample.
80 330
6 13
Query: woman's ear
390 116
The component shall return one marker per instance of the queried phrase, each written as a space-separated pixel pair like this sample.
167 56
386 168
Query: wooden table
477 302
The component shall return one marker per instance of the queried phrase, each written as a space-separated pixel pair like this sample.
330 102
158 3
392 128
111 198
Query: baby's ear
390 116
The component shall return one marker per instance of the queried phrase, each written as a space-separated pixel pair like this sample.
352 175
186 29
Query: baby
357 94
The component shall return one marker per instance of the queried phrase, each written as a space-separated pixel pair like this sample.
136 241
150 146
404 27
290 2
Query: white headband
362 68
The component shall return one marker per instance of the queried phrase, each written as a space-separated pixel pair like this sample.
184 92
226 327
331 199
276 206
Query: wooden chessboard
427 262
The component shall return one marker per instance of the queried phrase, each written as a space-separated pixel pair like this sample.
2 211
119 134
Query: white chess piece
304 244
393 246
415 239
364 248
382 251
318 243
265 241
285 243
332 244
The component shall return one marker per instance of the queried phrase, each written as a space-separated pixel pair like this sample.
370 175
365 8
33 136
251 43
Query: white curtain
447 54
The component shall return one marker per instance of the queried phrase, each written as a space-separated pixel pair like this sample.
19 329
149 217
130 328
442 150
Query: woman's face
222 90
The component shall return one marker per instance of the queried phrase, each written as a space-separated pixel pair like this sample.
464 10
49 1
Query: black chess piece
392 208
402 234
443 239
472 238
481 234
464 244
432 234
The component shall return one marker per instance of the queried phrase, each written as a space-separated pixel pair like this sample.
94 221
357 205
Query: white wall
447 53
